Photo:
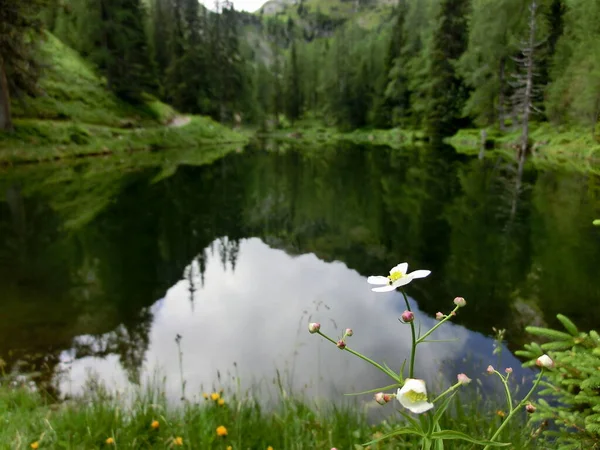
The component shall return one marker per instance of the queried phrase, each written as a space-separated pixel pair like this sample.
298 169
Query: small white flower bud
545 361
314 327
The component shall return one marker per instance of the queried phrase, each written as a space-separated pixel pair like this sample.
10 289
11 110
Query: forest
433 65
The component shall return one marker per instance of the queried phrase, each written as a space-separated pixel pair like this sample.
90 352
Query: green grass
76 116
311 131
572 147
253 420
71 90
39 140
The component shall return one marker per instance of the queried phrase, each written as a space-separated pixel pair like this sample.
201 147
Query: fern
572 388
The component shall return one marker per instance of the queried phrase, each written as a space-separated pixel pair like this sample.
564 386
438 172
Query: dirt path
180 121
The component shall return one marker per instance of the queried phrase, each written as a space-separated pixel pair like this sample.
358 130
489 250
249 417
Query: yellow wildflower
269 448
229 447
221 430
178 440
110 441
215 396
155 424
205 395
221 402
500 413
35 445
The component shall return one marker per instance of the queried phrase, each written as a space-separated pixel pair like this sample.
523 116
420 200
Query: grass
39 140
312 131
573 147
252 419
76 116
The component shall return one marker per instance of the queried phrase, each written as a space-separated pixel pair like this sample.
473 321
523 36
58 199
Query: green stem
364 358
514 411
413 350
447 391
437 325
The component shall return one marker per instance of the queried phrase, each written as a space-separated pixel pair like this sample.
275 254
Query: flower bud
545 361
439 316
341 344
490 369
460 302
380 398
530 408
408 316
463 379
349 332
314 327
508 370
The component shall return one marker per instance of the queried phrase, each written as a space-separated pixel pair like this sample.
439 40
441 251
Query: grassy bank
75 115
574 148
314 131
100 420
44 140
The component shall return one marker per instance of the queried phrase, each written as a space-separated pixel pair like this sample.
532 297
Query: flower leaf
548 333
569 326
370 391
398 432
416 425
442 408
451 434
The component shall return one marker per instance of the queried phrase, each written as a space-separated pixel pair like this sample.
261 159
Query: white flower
397 277
413 396
545 361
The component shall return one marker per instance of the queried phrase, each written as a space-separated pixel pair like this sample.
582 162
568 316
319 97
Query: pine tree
392 94
113 37
447 91
487 63
293 90
20 30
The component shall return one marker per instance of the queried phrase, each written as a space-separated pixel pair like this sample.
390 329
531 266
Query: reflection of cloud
257 318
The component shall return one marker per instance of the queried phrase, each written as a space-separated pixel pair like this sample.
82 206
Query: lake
105 261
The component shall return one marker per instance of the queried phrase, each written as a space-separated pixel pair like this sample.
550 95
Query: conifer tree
392 95
293 89
20 30
447 91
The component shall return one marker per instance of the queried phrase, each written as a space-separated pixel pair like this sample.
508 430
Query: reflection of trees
488 255
129 341
368 207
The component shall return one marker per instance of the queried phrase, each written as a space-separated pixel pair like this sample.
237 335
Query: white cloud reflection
257 318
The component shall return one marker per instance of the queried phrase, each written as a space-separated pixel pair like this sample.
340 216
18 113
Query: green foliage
447 93
286 422
71 90
571 400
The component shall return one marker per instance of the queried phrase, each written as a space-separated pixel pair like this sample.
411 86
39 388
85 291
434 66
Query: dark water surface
104 262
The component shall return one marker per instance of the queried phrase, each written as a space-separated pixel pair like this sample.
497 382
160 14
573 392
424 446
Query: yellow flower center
395 276
416 397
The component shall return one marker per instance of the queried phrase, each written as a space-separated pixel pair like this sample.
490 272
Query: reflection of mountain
87 251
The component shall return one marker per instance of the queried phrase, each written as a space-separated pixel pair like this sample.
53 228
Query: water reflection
243 250
255 318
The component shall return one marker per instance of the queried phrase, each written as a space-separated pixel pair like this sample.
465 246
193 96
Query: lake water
105 261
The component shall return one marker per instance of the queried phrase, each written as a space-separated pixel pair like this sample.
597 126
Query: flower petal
378 280
413 384
418 387
419 408
419 273
402 281
402 268
386 288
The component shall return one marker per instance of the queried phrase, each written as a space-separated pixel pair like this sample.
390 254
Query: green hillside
322 16
75 114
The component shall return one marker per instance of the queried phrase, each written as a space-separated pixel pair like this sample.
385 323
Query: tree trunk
529 82
501 99
5 113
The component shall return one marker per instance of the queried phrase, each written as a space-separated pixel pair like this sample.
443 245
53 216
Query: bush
571 409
